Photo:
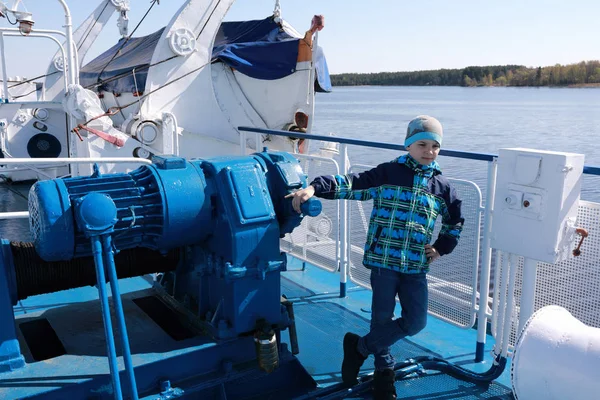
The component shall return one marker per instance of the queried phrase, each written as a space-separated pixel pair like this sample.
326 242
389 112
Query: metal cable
93 25
128 37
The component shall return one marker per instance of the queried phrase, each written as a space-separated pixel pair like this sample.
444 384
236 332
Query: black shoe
353 360
384 385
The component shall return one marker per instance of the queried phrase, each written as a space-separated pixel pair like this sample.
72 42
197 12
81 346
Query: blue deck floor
322 318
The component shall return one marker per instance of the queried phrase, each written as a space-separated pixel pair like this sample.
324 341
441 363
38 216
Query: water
475 119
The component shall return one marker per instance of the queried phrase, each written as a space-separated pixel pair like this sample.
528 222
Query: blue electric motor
171 203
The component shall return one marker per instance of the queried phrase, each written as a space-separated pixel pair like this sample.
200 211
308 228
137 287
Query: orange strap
109 138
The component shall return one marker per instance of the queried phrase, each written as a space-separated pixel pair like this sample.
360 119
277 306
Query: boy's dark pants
385 331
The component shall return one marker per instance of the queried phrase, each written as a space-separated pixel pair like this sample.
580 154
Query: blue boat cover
258 48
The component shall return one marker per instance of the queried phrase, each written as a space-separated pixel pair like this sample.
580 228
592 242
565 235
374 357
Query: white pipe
243 142
502 302
337 171
62 49
344 227
69 35
486 259
476 252
49 31
114 160
4 75
510 305
311 84
258 143
319 158
497 286
528 291
14 215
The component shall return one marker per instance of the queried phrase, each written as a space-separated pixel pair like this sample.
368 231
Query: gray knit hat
423 127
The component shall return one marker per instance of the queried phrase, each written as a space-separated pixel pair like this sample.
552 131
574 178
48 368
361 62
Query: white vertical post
344 228
528 291
486 260
243 142
510 306
502 302
258 139
311 84
69 32
70 69
4 73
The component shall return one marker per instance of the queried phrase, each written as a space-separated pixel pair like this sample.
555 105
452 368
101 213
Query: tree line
580 74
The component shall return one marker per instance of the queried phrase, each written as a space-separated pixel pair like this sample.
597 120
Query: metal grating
321 353
573 284
321 345
34 218
316 239
441 386
452 279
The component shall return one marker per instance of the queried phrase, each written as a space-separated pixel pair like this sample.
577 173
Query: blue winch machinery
209 230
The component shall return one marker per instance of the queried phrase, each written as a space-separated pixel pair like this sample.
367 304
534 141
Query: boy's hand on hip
300 197
431 253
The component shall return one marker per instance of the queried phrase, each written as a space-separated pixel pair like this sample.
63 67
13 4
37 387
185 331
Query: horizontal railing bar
590 170
74 160
366 143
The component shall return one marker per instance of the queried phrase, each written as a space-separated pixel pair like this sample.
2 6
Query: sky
369 36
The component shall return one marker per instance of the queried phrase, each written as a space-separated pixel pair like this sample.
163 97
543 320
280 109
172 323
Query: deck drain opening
41 339
164 317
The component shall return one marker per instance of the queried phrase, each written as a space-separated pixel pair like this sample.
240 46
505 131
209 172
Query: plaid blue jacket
407 199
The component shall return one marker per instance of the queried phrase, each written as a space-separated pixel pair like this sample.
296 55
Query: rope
8 183
116 109
93 25
128 37
32 79
24 95
114 78
208 19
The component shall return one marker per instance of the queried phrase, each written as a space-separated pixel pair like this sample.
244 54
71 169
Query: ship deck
322 318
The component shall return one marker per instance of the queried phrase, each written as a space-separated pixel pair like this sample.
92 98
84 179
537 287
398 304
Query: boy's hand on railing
431 253
300 197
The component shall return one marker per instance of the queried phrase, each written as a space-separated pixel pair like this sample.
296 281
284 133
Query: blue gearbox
226 216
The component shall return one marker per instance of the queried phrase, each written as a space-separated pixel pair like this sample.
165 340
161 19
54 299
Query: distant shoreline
585 74
574 86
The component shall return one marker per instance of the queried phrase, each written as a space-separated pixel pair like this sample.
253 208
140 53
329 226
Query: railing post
486 261
258 141
4 73
344 228
243 142
527 291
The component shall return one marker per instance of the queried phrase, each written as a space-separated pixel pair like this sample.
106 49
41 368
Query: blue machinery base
172 359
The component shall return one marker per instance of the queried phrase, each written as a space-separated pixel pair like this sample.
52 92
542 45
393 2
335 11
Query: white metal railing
317 239
574 284
17 34
68 56
63 161
452 278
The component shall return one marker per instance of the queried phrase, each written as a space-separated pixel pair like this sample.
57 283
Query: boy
408 194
